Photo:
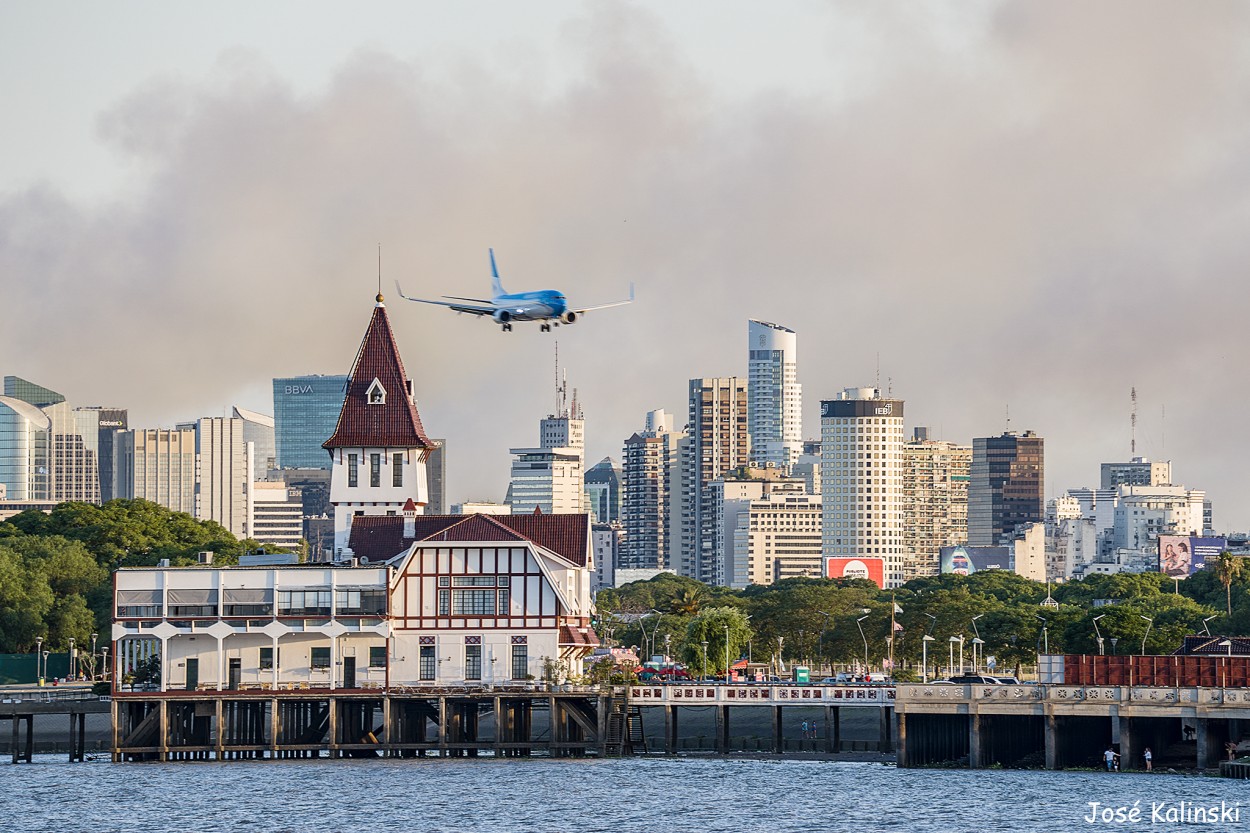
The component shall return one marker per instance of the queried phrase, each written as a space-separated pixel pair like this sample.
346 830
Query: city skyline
960 207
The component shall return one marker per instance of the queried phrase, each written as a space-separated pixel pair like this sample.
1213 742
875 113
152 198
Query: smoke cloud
1025 209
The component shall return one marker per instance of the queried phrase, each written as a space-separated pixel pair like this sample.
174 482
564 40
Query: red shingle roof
571 635
381 537
395 423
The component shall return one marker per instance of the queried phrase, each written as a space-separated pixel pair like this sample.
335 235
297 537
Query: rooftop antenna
877 384
1007 410
889 390
1133 423
561 384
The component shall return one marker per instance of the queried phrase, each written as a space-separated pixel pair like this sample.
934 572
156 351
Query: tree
710 627
1227 570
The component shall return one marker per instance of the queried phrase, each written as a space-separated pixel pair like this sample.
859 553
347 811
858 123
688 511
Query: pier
461 721
21 707
1061 726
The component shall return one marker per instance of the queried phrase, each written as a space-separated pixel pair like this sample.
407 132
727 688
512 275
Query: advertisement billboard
964 561
872 569
1180 556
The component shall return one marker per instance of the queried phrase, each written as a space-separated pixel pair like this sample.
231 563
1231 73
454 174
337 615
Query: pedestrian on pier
1110 757
1150 759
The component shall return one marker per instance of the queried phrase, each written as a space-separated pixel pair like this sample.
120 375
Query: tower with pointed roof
379 448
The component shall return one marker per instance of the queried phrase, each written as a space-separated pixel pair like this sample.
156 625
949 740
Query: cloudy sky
1018 207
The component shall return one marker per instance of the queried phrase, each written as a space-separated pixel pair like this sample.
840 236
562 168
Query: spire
391 418
379 298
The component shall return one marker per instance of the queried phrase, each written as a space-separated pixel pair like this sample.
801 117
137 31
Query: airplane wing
471 309
613 304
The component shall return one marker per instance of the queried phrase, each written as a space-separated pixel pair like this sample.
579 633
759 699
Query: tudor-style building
379 447
427 600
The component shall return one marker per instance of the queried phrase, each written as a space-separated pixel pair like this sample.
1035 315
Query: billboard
872 569
964 561
1180 556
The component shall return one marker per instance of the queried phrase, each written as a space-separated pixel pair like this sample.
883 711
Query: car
1008 680
973 679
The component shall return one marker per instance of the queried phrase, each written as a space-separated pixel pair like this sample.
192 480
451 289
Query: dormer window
376 395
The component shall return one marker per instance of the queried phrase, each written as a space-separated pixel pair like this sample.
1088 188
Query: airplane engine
502 316
568 317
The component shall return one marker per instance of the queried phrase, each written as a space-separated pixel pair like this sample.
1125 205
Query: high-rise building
25 441
603 491
277 514
650 477
111 421
774 396
551 478
935 501
780 534
862 478
716 442
305 411
379 448
156 464
73 448
436 474
258 429
224 467
1137 472
31 393
1006 488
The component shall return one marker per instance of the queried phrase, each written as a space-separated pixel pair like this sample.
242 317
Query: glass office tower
305 410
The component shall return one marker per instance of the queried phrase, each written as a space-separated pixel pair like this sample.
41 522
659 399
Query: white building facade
774 395
862 478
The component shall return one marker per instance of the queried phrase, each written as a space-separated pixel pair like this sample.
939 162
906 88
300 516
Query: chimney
205 556
410 519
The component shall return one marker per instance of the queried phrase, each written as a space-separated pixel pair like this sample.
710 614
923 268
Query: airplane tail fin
495 285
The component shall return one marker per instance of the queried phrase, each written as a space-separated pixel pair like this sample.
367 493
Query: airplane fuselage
542 305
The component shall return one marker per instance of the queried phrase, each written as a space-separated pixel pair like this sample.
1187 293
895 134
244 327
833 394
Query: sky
1017 211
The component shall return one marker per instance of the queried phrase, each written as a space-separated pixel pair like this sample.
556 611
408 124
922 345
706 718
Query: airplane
546 305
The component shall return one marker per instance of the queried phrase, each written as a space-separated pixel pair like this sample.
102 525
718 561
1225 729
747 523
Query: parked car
973 679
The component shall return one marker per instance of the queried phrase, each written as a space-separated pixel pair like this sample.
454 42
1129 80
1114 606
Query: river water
692 795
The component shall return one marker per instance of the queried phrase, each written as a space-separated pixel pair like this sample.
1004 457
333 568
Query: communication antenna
889 392
1133 423
877 384
1007 410
562 385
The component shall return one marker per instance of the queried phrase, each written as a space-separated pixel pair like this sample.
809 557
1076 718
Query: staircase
625 735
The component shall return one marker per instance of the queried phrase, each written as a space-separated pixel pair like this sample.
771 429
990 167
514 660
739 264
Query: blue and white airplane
546 305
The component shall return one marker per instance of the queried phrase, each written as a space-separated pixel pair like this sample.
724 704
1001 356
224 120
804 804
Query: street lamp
38 654
1045 633
1098 633
93 639
668 639
924 670
858 624
45 666
950 661
728 676
1149 624
1114 640
704 644
1206 628
72 664
104 665
976 641
1227 643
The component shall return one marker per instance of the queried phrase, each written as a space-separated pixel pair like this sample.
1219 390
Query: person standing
1149 760
1109 756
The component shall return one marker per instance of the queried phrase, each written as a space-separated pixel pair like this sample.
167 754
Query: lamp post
977 650
950 660
71 655
1227 643
38 655
1098 633
1113 640
104 665
704 644
1045 634
1149 624
924 670
727 674
93 639
859 624
668 641
976 640
45 666
1205 627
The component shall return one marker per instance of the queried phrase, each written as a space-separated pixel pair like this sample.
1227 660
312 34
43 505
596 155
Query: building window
473 602
444 602
304 602
473 662
319 659
375 470
429 663
353 473
377 656
397 470
266 659
520 662
365 601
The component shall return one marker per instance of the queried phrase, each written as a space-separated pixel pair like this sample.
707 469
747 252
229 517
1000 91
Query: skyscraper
436 476
224 464
716 442
862 478
1006 487
603 491
935 501
774 396
1137 472
258 429
650 479
305 410
72 465
111 421
157 464
25 439
551 478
